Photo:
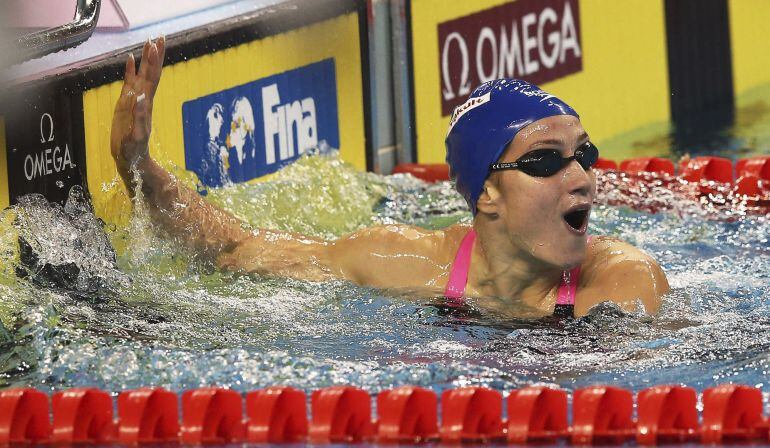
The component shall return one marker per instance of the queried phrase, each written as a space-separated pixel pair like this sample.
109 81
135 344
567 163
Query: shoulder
620 272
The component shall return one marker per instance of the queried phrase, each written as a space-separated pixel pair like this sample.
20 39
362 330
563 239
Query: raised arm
180 211
221 237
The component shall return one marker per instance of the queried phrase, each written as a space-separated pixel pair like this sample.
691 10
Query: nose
578 180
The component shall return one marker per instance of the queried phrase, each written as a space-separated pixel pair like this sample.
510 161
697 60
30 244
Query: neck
502 269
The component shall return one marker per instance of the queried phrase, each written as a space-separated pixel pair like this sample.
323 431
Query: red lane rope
407 414
652 183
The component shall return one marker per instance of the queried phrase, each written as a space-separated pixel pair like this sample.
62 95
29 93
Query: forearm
182 212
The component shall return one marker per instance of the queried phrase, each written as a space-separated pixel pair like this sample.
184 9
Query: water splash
181 324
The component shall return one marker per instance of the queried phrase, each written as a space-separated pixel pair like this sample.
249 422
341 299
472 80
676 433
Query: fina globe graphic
251 130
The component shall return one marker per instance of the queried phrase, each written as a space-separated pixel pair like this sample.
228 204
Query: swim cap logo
529 91
463 109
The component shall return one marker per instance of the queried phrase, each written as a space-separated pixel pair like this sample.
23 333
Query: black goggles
547 162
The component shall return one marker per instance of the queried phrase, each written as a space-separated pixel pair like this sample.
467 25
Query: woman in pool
518 155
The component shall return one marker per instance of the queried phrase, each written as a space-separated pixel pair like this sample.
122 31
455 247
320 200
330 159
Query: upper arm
389 256
625 274
283 254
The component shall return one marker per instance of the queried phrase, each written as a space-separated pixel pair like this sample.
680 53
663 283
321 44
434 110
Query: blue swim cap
481 128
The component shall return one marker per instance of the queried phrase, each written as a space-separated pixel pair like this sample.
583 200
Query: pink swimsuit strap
458 275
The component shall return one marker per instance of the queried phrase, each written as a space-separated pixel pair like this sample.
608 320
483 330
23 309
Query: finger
129 77
144 65
161 42
130 74
152 67
157 65
153 72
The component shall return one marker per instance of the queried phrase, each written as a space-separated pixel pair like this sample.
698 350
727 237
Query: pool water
153 314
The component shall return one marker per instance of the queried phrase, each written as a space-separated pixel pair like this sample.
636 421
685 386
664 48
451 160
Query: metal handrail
40 43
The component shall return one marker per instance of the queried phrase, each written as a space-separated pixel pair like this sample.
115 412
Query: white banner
115 14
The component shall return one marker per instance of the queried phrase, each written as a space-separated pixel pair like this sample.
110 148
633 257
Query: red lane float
82 415
23 416
666 414
408 414
471 414
276 415
602 415
537 414
606 164
211 415
429 172
715 169
714 182
732 413
753 176
647 165
148 415
342 414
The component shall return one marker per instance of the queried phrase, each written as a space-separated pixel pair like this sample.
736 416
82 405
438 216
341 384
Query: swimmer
518 155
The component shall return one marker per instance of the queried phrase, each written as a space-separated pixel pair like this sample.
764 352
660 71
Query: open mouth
577 219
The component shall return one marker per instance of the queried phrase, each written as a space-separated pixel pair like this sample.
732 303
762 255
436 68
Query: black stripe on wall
699 69
45 142
363 38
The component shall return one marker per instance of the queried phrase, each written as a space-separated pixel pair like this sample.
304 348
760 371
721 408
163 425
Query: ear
489 201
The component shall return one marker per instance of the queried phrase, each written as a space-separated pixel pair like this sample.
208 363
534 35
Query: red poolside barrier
407 414
667 414
211 415
471 414
602 415
276 415
605 164
537 414
717 169
753 176
755 166
148 415
23 416
82 415
429 172
340 414
647 165
748 191
731 413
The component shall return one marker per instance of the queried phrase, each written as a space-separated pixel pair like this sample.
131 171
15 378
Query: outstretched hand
132 121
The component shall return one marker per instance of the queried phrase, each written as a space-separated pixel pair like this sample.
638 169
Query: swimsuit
458 278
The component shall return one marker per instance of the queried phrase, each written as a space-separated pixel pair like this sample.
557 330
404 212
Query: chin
571 259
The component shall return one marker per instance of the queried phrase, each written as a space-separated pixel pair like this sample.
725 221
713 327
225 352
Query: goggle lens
546 163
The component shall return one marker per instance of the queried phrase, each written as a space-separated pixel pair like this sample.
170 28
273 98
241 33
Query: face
545 217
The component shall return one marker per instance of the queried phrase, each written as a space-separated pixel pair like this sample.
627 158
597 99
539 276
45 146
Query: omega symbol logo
51 158
46 117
